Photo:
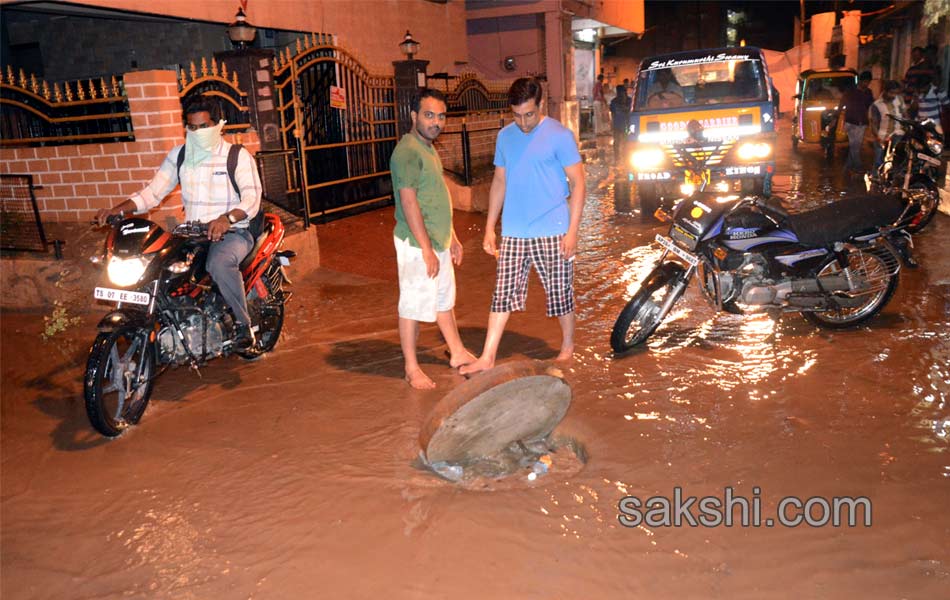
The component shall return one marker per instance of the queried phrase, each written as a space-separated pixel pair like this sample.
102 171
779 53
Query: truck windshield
698 84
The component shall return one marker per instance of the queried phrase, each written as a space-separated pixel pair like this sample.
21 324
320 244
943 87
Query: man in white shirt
209 197
882 126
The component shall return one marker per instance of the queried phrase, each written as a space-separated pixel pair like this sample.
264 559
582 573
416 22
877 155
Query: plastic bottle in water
539 468
448 471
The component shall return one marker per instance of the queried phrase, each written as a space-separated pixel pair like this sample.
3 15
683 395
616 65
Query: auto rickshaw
817 119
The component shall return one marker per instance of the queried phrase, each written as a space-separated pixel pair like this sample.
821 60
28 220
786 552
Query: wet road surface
291 477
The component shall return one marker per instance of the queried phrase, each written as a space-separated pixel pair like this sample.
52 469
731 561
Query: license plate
684 238
928 159
112 295
696 178
667 243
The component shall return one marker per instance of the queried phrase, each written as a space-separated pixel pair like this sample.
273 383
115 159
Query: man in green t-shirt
426 245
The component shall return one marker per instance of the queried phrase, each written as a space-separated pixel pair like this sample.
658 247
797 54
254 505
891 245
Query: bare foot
482 364
462 358
566 355
419 380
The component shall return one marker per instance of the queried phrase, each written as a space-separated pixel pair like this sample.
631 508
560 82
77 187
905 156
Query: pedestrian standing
882 126
920 67
539 182
425 240
931 102
620 120
600 104
855 102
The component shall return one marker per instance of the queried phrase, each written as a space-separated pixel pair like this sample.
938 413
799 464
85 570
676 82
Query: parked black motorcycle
910 167
169 312
836 265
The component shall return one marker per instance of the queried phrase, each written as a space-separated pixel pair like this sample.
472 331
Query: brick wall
80 179
481 143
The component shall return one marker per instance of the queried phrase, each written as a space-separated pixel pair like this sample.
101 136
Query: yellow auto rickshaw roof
827 73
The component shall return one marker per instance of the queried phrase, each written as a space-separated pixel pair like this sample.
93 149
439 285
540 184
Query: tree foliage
934 10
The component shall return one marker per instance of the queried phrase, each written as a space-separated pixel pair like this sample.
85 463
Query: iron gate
342 122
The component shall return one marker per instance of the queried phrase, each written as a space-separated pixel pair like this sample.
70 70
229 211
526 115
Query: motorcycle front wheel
118 381
924 192
644 312
877 276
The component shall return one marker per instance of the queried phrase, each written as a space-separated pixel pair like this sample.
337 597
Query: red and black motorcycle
169 312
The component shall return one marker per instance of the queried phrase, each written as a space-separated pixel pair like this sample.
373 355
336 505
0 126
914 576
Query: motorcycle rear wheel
642 314
119 378
924 191
875 268
267 320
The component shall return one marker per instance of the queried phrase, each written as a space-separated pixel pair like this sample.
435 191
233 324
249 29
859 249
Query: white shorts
420 296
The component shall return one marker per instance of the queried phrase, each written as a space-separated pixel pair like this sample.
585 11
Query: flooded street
292 476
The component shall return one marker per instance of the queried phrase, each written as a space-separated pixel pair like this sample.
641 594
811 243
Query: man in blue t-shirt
535 159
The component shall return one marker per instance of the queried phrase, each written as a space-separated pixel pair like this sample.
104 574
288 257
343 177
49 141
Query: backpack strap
257 222
181 161
233 153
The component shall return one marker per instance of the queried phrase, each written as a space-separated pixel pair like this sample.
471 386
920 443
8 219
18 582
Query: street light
240 31
409 46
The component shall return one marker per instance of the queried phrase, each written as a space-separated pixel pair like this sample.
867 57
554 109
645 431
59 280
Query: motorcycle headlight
646 159
124 272
935 146
754 150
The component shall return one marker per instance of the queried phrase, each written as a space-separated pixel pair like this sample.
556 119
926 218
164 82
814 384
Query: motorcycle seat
840 220
266 230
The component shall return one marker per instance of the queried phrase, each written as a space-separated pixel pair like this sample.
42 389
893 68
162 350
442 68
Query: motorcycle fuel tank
138 236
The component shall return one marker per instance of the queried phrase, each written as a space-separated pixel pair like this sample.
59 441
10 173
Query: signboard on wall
337 97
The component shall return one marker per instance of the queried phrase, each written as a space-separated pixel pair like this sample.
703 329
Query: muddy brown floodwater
292 477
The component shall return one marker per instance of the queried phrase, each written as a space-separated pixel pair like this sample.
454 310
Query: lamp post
241 32
254 70
409 46
409 75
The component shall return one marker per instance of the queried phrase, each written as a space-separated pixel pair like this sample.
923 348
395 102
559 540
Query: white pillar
821 26
850 28
554 60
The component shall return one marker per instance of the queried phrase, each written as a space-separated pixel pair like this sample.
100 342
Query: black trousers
620 141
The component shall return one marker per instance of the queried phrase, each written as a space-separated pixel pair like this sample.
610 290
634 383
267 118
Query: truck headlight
127 271
754 150
646 159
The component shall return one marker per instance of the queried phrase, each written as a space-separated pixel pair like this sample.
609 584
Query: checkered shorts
515 258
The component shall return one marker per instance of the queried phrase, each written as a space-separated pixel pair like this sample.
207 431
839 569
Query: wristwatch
231 218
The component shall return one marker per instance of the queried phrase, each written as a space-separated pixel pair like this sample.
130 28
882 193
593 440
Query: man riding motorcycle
210 194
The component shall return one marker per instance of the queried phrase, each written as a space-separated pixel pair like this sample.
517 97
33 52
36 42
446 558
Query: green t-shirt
416 165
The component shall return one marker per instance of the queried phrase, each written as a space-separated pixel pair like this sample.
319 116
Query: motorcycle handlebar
191 229
188 229
910 122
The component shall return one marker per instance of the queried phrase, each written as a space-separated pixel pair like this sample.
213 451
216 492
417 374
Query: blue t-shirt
536 188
